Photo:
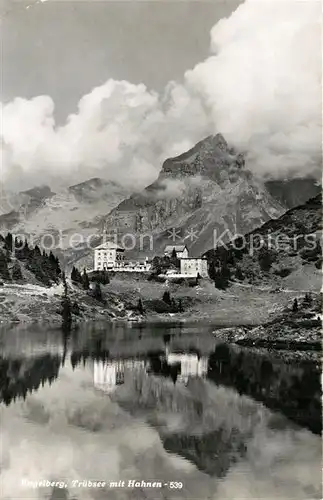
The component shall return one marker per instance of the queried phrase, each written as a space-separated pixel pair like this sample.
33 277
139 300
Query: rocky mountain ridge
200 195
76 209
286 251
208 188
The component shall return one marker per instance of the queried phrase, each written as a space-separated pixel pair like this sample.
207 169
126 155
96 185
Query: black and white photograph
161 249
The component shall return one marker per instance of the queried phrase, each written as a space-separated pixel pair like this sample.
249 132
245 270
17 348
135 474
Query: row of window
104 256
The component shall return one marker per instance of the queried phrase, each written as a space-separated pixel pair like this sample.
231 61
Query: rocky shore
292 330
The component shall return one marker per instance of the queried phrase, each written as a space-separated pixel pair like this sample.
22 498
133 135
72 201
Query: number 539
174 485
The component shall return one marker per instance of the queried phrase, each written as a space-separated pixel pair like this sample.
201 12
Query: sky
65 48
111 89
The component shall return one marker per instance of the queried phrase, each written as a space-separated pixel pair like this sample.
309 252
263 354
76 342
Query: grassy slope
292 264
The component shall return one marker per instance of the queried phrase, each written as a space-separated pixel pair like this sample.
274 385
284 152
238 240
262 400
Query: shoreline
243 316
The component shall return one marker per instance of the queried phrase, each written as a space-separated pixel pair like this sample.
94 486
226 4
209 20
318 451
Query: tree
97 294
222 277
8 242
85 280
75 309
265 259
156 265
174 259
308 299
4 271
295 306
180 306
16 272
24 251
140 307
37 251
66 313
64 284
212 270
239 274
76 275
58 267
167 298
105 280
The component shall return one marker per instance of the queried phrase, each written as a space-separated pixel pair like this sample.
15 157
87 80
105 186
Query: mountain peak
215 141
211 157
39 192
220 141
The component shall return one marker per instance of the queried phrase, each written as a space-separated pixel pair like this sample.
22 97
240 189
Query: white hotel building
108 256
111 257
192 266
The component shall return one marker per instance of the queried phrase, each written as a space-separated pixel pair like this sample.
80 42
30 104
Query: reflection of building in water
109 374
191 365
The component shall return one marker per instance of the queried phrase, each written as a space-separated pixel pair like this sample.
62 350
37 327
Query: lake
155 412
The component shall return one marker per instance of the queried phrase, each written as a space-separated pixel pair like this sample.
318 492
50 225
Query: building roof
193 258
108 245
178 248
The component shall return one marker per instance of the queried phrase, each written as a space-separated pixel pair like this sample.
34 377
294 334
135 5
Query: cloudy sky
65 48
111 88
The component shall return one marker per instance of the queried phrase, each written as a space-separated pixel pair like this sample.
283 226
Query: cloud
264 83
260 87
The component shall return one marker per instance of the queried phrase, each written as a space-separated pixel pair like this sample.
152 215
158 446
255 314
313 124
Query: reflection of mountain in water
20 376
212 452
216 424
293 389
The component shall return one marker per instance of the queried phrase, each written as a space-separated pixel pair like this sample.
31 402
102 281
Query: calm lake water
154 412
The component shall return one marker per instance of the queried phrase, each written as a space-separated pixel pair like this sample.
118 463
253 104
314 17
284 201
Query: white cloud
261 88
264 82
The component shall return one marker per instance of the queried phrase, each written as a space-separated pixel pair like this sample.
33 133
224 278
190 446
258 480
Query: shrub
167 297
101 277
159 306
76 276
312 254
75 309
295 306
180 306
265 259
140 307
283 272
85 280
16 272
308 300
97 293
239 274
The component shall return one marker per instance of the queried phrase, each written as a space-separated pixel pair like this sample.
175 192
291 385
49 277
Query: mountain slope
286 251
206 189
293 192
78 209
